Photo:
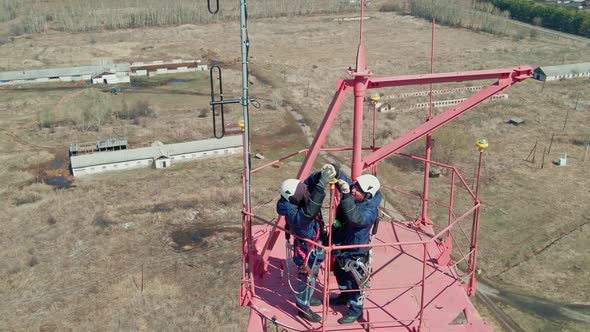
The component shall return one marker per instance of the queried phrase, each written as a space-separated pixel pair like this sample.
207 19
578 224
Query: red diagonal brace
436 122
261 261
515 74
320 137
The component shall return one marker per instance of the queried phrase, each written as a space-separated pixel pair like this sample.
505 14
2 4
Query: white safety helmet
288 188
368 184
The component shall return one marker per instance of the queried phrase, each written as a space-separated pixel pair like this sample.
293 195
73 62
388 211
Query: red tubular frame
434 238
255 263
505 79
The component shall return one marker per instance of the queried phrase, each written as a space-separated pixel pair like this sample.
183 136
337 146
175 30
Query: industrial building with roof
157 156
551 73
106 73
109 74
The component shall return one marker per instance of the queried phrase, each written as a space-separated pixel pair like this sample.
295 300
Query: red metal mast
416 285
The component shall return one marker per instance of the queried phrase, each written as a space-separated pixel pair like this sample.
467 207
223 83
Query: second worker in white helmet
356 214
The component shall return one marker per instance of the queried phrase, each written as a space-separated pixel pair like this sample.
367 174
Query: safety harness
300 254
360 266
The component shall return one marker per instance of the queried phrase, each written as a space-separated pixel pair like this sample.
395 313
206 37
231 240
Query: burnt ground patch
55 173
202 236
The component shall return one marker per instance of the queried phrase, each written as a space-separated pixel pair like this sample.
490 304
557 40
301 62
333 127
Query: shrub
33 261
17 30
8 9
96 115
51 220
394 7
204 112
102 221
26 198
142 109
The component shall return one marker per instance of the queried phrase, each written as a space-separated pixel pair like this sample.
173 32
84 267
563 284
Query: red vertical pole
374 124
246 231
431 66
328 258
357 138
360 87
423 289
451 201
424 216
373 146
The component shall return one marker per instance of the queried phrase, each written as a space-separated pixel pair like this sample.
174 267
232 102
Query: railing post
328 257
451 200
423 288
481 144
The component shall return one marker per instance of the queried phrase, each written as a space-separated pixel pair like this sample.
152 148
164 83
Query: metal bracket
360 272
222 102
216 7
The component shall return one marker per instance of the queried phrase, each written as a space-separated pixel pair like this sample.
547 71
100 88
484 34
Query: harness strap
300 245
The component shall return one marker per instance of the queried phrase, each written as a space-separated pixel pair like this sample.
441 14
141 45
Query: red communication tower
416 284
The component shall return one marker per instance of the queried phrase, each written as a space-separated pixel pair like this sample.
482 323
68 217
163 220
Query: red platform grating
392 303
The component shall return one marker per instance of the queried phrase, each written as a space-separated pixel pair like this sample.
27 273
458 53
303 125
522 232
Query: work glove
333 166
343 186
336 224
327 175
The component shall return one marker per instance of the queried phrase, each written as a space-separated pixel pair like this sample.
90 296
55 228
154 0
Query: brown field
159 249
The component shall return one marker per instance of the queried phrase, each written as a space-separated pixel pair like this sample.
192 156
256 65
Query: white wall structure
552 73
162 162
112 78
102 74
434 92
154 156
82 73
160 67
439 103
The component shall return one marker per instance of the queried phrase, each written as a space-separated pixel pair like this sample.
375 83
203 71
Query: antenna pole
360 74
424 220
245 42
247 209
247 288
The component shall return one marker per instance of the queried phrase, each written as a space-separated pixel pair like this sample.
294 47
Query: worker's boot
354 313
309 315
348 319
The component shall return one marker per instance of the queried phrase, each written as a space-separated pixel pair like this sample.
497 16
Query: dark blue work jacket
301 218
357 220
302 223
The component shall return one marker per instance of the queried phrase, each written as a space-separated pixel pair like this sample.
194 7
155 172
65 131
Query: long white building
102 74
157 156
551 73
113 73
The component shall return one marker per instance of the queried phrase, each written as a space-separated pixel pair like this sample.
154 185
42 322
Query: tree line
91 15
568 20
460 13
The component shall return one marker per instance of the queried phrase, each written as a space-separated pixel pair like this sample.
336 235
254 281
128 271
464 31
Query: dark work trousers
305 285
347 282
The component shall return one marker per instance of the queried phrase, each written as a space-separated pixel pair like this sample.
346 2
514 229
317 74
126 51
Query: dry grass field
149 249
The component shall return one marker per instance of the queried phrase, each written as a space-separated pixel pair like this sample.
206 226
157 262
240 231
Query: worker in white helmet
355 216
300 203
